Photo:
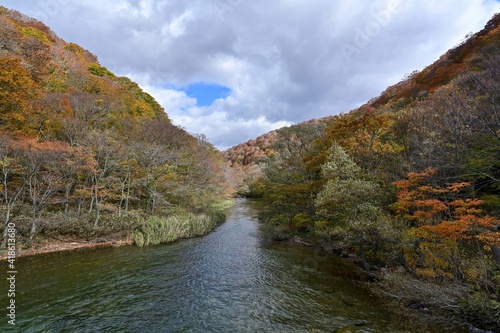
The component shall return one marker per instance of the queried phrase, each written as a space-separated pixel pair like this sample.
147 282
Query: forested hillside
410 181
85 153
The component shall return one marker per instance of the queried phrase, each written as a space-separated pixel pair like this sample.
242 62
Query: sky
235 69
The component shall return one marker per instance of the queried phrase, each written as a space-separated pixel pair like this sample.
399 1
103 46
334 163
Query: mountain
86 153
456 61
417 86
57 72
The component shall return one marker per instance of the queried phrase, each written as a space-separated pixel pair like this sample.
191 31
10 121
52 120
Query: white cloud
285 61
177 27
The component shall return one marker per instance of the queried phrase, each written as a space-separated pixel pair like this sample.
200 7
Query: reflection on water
228 281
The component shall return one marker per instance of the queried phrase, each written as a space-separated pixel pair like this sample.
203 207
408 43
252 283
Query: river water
228 281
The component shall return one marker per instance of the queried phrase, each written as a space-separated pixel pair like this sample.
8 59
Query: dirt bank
58 245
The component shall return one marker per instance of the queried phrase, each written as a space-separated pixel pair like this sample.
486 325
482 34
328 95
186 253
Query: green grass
156 230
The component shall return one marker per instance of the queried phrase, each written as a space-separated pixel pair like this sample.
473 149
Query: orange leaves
466 207
426 209
417 201
414 181
444 211
457 187
452 230
16 90
490 237
363 135
469 227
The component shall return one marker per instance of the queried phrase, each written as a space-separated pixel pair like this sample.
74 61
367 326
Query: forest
87 154
409 183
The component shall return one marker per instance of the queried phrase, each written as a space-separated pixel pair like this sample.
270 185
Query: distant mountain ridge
247 153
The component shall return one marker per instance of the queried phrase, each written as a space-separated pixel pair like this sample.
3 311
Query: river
228 281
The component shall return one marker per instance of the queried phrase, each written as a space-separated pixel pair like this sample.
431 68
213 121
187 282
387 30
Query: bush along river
228 281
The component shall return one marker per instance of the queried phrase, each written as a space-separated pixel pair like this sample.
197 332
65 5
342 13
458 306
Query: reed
156 230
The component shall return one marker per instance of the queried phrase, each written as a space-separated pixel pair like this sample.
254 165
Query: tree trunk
33 229
128 194
80 204
125 195
97 212
34 220
66 200
371 277
7 220
496 253
91 203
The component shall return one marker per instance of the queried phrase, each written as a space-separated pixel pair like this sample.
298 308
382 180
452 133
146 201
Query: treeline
84 153
414 183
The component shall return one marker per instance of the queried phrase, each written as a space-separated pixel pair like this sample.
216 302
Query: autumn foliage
85 153
449 213
411 179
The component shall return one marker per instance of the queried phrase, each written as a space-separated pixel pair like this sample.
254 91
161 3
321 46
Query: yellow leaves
302 220
14 77
427 254
82 193
34 33
16 91
75 48
99 70
490 237
426 272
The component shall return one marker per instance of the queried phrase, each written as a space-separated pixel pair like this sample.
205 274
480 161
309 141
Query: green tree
291 185
349 207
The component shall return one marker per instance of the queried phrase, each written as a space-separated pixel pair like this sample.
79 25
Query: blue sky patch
206 93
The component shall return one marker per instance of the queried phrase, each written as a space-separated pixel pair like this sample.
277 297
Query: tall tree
12 186
349 206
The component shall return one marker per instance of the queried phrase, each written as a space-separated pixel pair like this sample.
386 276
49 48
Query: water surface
228 281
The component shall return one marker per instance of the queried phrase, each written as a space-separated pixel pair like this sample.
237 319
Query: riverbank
431 303
162 234
60 245
424 301
148 231
231 279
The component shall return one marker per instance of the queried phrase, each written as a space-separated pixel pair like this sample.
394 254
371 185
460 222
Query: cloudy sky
235 69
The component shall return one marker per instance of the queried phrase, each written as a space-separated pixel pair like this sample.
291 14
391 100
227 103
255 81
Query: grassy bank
156 230
151 230
58 232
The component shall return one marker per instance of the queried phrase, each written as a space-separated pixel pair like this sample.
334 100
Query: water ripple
228 281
